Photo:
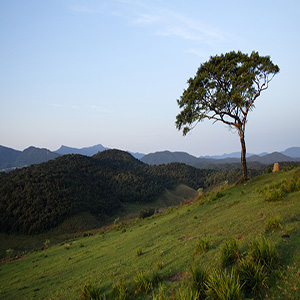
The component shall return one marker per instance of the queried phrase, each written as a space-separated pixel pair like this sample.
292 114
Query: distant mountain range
90 151
165 157
11 158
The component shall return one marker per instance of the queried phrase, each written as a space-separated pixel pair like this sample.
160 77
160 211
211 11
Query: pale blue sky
84 72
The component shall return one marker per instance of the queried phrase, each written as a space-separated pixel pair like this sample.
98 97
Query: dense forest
39 197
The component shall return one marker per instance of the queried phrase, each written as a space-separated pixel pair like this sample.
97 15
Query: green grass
252 276
273 223
230 252
168 243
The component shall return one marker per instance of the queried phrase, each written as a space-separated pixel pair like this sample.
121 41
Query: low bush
273 195
155 278
47 243
199 278
139 252
162 294
276 191
145 213
142 283
252 277
10 253
201 246
222 285
91 292
120 291
262 251
230 252
273 223
187 293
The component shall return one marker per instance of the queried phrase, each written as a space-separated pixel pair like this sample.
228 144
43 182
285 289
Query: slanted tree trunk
243 154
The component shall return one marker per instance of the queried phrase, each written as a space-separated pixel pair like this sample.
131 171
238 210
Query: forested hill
39 197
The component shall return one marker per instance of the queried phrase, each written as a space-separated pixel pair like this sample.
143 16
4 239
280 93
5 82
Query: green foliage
252 276
145 213
111 258
187 293
10 253
230 252
202 246
162 294
47 243
276 191
224 89
199 278
142 284
91 292
40 197
226 83
139 252
263 252
273 223
222 285
120 291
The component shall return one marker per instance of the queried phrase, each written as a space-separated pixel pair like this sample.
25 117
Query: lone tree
225 89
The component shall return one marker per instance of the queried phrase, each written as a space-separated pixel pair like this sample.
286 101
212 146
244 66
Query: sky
86 72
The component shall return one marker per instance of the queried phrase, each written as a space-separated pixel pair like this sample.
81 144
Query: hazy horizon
133 151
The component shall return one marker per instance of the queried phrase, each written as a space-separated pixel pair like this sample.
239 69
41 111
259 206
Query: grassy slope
76 225
241 212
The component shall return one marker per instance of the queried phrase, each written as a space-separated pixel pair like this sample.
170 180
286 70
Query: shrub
10 253
252 276
145 213
141 283
187 293
139 252
218 195
273 195
263 251
273 223
91 292
222 285
162 295
120 291
155 278
201 246
199 278
294 184
230 252
47 243
273 192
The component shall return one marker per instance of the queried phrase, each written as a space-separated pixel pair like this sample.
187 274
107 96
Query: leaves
224 89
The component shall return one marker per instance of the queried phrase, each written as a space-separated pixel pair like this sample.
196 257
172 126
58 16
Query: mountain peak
88 151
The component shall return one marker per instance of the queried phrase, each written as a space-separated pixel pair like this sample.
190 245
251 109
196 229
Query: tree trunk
243 155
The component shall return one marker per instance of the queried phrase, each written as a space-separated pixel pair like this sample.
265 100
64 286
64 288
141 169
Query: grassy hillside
155 256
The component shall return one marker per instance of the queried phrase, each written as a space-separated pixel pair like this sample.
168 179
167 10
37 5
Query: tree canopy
225 89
